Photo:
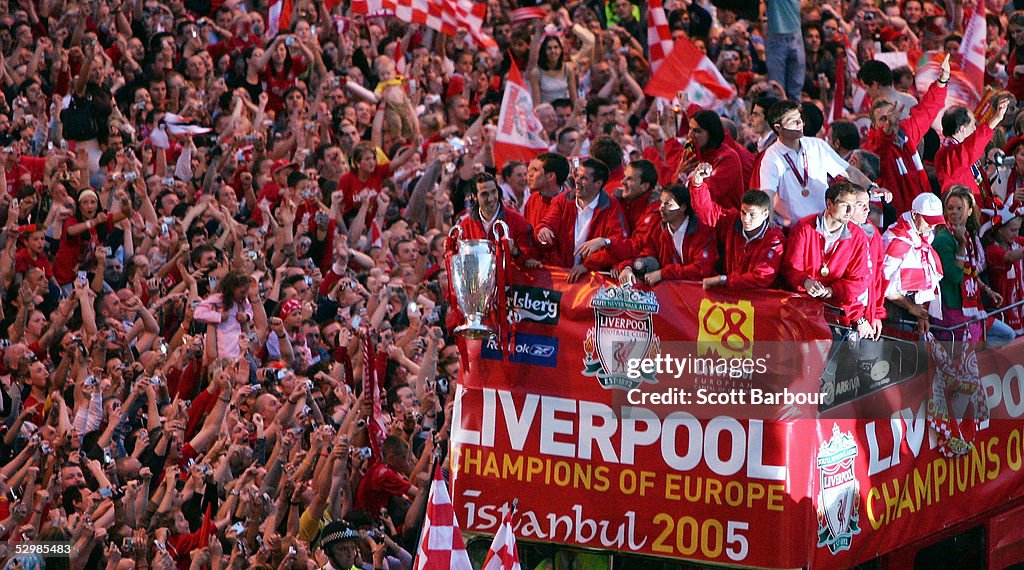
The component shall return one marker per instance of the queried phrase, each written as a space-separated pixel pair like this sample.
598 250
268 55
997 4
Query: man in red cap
895 142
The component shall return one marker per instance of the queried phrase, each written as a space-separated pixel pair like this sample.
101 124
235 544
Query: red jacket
954 163
536 208
752 264
666 166
518 228
698 258
746 157
876 255
726 182
615 178
849 274
901 170
639 208
609 222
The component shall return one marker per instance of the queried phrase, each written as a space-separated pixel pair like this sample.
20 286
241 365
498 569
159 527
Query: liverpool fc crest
839 498
623 331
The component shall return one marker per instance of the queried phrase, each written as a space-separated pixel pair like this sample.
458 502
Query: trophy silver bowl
473 267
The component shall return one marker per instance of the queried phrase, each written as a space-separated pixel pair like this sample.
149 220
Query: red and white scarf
970 287
911 265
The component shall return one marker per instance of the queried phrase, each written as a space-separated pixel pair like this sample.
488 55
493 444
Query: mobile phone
238 527
90 381
575 163
413 307
106 493
107 250
213 283
83 277
289 41
164 230
356 321
309 385
130 176
127 543
306 410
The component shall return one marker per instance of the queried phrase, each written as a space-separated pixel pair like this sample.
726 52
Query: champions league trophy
473 276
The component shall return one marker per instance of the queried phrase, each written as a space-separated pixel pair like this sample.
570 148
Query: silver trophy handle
455 232
504 234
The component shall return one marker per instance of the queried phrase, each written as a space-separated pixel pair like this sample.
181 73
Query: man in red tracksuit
545 176
751 247
684 247
963 145
876 255
479 222
640 206
827 258
901 171
580 220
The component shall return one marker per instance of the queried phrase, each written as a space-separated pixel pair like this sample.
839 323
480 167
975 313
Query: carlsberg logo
535 304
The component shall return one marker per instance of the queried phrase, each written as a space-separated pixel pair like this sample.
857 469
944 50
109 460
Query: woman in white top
554 77
227 310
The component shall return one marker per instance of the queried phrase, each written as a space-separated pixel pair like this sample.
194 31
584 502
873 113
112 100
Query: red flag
279 17
399 56
688 69
659 36
206 529
520 134
445 16
972 49
839 93
503 554
441 546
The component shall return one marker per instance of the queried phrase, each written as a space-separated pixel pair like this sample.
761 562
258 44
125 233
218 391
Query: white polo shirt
779 180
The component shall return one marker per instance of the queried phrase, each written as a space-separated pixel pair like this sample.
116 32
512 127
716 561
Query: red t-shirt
72 249
357 190
279 82
23 260
378 486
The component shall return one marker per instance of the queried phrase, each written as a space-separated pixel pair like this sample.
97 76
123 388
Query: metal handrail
905 322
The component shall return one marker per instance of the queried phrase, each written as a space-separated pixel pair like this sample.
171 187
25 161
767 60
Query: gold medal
806 192
824 271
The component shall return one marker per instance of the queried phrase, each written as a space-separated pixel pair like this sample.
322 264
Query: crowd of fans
206 227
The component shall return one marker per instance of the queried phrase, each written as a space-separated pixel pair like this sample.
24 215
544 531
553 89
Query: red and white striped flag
445 16
687 69
503 554
659 36
399 56
972 49
441 546
839 91
279 16
967 69
520 134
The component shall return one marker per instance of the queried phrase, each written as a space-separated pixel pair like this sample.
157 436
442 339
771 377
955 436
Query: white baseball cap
929 207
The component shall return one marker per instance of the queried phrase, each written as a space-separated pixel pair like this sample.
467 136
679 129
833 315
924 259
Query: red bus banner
696 425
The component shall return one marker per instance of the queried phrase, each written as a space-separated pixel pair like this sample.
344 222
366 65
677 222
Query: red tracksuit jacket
700 254
518 228
536 208
746 157
747 265
849 274
608 221
901 170
953 163
876 255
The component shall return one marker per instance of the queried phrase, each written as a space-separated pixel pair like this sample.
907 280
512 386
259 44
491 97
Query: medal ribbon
792 167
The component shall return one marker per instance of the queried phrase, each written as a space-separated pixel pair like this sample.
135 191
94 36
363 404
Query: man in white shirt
796 170
514 191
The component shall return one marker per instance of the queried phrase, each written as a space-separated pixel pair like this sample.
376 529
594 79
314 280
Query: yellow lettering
775 494
1013 455
713 490
491 468
905 502
672 486
873 495
993 459
922 488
